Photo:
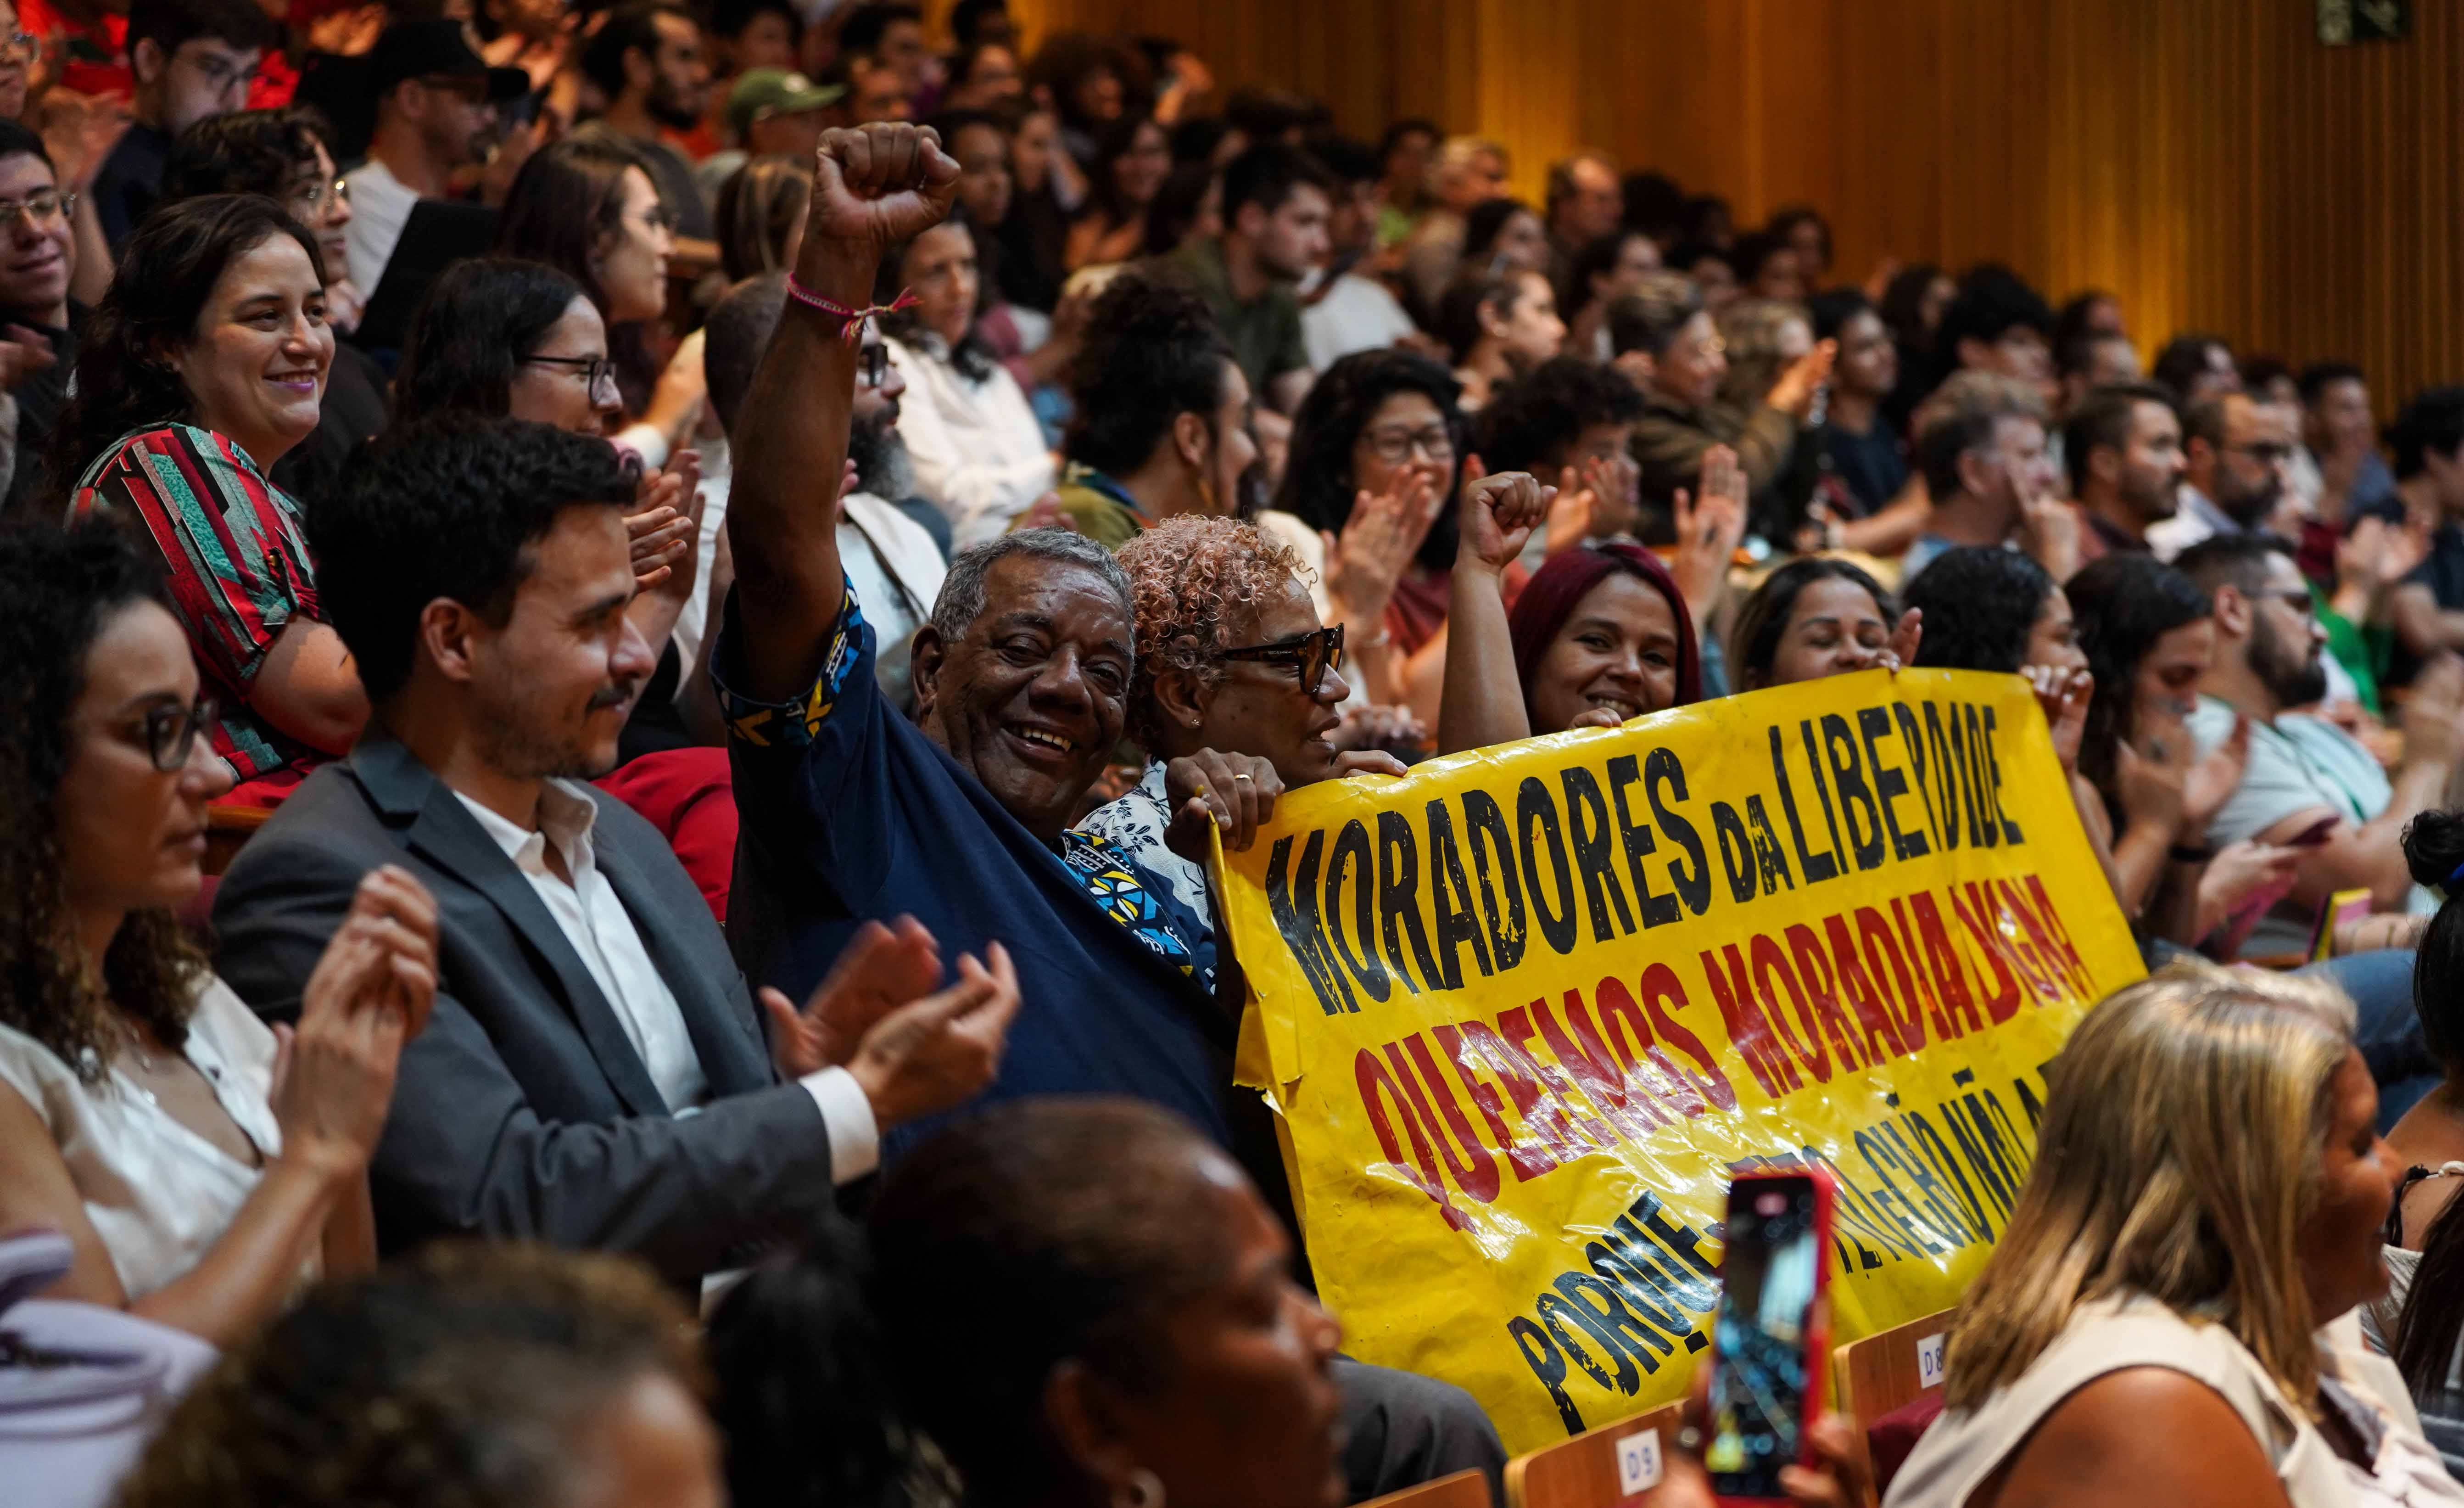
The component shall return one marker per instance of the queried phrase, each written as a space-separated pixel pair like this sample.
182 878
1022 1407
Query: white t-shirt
381 205
877 542
979 456
1357 314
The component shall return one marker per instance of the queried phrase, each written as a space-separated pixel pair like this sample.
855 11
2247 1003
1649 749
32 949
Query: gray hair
962 590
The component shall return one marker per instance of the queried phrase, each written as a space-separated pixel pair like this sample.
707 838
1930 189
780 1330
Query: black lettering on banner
1767 851
1736 852
1636 840
1817 867
2010 832
1456 924
1351 860
1946 759
1946 1165
1913 742
1296 921
1398 900
1925 1172
1848 778
1983 821
1484 834
1533 807
1645 1287
1823 791
1616 1327
1889 784
1541 1355
1661 769
1592 852
1556 1312
1874 1143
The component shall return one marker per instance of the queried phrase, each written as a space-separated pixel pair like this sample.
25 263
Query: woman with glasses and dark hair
200 1163
1237 686
202 368
501 335
282 154
1368 500
589 207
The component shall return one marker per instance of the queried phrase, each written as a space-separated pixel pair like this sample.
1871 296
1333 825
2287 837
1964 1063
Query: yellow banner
1524 1012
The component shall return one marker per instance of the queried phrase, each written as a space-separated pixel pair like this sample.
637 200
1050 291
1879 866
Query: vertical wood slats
2207 160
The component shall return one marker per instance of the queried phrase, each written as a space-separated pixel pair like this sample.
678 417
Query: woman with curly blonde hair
199 1162
1235 697
2155 1325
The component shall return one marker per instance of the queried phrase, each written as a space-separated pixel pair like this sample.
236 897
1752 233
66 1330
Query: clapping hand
1707 533
1379 539
664 527
2064 695
369 995
912 1053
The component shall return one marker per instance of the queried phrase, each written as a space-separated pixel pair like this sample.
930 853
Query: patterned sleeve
777 743
230 543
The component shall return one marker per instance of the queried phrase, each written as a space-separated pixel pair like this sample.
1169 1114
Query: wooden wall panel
2207 160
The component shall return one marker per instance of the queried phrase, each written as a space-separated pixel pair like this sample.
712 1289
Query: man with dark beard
892 559
2304 770
2236 468
647 60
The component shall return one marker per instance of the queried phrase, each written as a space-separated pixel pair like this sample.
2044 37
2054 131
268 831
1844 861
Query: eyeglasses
170 732
1395 446
21 46
222 76
39 208
1311 655
598 372
872 364
317 196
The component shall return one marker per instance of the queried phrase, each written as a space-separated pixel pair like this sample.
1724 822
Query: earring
1143 1490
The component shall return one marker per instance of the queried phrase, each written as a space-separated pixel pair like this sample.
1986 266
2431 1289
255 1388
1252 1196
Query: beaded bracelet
851 327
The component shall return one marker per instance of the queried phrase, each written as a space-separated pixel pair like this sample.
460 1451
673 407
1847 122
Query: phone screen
1759 1369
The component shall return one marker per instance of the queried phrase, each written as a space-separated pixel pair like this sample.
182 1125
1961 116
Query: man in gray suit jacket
595 1073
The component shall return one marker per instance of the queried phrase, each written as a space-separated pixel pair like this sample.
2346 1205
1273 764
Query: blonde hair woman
2208 1194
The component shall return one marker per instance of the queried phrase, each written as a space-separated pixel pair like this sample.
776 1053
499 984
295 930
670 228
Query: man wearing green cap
770 111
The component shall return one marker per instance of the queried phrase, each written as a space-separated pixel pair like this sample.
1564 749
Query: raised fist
877 186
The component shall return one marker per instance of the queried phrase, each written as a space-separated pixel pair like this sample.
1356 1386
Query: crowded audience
628 670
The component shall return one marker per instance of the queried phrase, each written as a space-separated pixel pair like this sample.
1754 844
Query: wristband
851 320
2190 853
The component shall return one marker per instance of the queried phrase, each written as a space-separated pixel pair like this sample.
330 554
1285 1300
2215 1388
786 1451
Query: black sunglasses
170 731
1311 655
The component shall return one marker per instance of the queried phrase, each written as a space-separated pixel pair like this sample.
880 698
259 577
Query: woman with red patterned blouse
204 364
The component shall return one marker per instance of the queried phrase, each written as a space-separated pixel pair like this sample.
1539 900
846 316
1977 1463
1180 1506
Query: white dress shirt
594 920
381 205
979 456
1357 314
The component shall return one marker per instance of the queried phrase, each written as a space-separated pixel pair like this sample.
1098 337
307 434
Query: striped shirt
237 562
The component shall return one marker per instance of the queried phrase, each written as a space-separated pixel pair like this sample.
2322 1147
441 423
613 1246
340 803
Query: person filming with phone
2303 768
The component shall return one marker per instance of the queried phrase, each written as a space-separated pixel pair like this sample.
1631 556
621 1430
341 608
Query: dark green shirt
1265 333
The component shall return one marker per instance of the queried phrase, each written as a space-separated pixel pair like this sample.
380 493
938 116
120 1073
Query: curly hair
1980 603
1150 353
167 271
1533 421
1317 486
1197 584
458 1377
57 588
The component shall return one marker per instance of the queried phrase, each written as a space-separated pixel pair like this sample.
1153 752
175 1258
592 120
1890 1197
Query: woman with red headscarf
1598 635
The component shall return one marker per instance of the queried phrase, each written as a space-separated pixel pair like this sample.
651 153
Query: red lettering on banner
1882 1037
1659 987
1748 1027
1768 959
1423 1169
1476 1171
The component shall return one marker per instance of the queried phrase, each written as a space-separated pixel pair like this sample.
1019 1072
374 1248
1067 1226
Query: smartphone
2316 832
1769 1335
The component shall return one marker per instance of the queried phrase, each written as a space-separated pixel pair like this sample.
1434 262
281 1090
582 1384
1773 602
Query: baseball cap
439 49
766 91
